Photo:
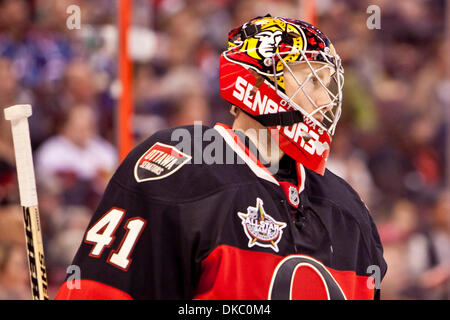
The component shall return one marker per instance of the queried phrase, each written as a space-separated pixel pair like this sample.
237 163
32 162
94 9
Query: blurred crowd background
391 143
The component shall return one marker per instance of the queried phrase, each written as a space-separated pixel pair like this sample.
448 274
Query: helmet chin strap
284 119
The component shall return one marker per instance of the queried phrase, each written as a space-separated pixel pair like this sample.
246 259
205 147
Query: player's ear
234 110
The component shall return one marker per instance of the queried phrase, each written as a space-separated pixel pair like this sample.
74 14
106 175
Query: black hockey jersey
173 224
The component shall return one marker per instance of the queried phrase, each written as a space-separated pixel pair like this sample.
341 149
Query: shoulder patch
158 162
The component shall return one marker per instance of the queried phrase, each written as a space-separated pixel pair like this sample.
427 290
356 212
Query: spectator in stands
428 254
14 274
78 156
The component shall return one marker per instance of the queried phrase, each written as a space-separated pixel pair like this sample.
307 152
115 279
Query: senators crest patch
158 162
261 229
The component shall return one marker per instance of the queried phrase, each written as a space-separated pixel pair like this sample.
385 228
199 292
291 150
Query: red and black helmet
252 78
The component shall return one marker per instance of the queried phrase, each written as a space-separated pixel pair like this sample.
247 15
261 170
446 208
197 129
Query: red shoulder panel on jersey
91 290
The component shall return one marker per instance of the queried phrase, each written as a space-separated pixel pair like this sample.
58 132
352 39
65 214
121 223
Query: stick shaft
35 250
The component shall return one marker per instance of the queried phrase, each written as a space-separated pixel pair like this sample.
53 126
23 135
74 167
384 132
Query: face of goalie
312 91
311 97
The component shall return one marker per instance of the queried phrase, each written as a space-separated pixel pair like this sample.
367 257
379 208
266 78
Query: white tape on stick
19 111
18 115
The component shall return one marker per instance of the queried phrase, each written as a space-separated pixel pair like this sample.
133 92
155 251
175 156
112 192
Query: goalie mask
252 77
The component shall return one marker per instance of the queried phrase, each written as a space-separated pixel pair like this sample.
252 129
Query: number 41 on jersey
101 236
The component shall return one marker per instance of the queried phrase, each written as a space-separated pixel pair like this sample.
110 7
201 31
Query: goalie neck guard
252 78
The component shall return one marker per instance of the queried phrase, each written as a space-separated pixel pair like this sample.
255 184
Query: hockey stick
18 115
